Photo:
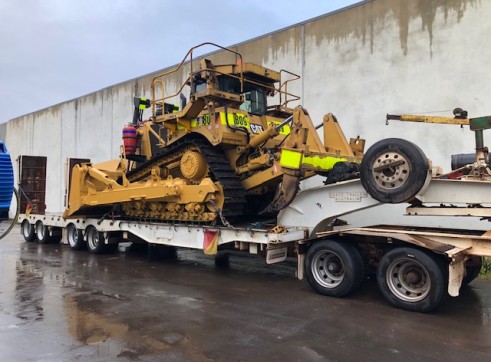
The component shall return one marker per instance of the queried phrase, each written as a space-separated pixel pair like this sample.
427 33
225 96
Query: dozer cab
232 150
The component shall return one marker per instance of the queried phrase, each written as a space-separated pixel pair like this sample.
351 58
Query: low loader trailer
223 171
417 259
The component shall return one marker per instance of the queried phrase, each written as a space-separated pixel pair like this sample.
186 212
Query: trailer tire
156 252
473 267
55 235
28 232
399 183
412 279
333 268
42 233
222 260
111 248
95 240
75 237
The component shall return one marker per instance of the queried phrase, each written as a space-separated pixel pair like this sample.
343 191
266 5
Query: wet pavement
61 305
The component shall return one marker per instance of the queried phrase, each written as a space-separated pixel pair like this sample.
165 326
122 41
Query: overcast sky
56 50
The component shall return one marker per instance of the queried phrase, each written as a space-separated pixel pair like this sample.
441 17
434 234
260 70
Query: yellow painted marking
235 119
324 163
291 159
284 130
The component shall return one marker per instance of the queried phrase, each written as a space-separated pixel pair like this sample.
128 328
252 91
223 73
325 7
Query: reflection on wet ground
57 304
29 292
89 327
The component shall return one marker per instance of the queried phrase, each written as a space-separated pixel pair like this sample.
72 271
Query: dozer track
220 171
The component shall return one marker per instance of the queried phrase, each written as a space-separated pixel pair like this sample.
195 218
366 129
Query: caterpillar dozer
231 150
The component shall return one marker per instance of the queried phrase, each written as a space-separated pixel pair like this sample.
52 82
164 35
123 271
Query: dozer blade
285 194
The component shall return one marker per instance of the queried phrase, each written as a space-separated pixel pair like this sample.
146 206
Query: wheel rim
26 229
328 269
40 231
408 280
72 236
390 170
93 239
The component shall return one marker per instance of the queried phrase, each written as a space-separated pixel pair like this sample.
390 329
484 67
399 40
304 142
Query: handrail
285 97
161 100
157 78
285 85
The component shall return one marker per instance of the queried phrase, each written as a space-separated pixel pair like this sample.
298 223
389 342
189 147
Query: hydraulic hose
14 220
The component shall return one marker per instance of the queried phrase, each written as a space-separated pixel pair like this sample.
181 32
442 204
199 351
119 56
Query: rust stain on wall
427 9
359 21
285 42
364 22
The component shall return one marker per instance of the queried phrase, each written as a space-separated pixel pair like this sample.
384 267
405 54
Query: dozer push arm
304 154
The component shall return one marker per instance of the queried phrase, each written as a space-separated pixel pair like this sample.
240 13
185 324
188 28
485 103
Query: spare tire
394 170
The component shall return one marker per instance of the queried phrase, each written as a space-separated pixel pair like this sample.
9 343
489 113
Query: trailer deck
317 217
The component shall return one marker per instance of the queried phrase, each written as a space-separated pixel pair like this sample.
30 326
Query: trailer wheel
42 233
95 240
156 252
111 248
27 231
55 236
394 170
333 268
222 260
75 237
412 279
473 267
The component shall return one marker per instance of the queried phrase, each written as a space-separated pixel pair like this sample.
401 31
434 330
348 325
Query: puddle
90 327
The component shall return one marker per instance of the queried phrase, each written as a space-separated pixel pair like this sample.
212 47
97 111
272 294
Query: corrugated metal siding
6 181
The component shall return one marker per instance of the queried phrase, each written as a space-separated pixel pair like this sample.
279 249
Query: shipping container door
32 183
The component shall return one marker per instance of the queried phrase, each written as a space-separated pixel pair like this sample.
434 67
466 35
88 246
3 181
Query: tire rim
72 236
391 177
40 231
93 238
408 280
328 269
26 229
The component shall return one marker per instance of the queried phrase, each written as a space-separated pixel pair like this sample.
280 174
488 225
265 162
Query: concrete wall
378 57
3 131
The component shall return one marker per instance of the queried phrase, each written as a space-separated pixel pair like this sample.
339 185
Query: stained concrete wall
3 131
377 57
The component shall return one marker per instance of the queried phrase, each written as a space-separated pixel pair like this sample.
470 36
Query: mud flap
456 272
285 194
276 254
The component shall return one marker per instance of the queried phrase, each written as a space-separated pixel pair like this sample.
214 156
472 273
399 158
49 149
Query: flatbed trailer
416 259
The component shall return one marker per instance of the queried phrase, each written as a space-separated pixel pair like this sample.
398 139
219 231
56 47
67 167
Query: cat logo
256 128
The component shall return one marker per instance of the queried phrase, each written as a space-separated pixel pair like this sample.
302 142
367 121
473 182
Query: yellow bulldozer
231 150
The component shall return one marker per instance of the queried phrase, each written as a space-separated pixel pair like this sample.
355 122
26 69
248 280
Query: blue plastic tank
6 181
